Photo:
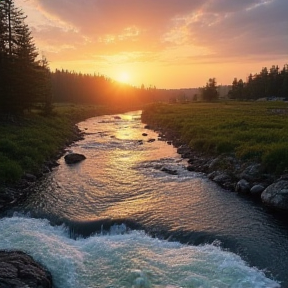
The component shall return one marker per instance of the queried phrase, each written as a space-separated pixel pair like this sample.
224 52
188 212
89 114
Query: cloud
165 32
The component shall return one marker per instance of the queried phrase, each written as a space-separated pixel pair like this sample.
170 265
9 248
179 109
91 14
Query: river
117 220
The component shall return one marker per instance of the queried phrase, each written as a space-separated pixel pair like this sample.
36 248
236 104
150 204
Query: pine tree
19 69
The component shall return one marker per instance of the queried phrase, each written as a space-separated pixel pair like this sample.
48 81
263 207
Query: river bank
238 163
120 182
31 144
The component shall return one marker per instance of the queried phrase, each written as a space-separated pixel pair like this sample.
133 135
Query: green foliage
26 142
253 131
10 170
276 158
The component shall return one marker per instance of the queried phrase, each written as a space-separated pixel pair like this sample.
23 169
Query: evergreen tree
19 68
209 92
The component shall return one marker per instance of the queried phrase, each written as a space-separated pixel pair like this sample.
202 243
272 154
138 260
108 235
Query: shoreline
244 178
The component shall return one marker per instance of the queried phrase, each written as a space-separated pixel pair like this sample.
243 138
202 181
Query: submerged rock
18 269
276 195
73 158
169 171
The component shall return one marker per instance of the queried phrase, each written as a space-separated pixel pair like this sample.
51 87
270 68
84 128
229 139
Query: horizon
168 44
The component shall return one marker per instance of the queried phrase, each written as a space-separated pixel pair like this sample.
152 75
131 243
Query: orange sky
166 43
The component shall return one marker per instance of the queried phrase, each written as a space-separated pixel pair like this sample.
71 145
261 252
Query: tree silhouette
209 92
19 71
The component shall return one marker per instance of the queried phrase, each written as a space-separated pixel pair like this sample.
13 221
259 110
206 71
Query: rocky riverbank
10 195
19 270
246 178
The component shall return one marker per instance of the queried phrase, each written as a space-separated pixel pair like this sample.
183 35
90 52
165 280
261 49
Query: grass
252 131
27 142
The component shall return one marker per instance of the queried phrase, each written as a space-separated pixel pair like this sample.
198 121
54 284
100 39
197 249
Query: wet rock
73 158
18 270
190 168
252 173
222 178
169 171
256 190
242 187
183 149
30 177
276 195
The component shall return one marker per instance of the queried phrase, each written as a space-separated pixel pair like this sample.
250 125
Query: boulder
222 178
73 158
252 173
18 269
276 195
256 190
242 187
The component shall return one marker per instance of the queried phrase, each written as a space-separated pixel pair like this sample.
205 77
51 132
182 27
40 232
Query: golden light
124 77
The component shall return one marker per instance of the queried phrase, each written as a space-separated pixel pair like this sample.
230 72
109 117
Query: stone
30 177
276 195
256 190
73 158
144 134
242 187
151 140
169 171
252 173
222 178
18 269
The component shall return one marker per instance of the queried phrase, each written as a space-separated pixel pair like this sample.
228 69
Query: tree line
266 84
24 79
73 87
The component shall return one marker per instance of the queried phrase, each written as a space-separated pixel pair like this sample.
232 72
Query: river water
117 220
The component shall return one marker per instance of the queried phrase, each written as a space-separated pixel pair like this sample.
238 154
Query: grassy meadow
26 142
252 131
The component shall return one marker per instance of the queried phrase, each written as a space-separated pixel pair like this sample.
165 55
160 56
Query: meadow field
251 131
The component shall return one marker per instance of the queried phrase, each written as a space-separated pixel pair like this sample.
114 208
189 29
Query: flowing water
117 220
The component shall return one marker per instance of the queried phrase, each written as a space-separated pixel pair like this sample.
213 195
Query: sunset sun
124 77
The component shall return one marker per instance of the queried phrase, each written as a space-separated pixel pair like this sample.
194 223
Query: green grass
27 142
252 131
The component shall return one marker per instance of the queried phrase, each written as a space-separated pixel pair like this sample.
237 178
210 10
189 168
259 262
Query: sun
124 77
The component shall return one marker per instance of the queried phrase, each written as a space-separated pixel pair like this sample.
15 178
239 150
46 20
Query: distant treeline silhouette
267 84
75 87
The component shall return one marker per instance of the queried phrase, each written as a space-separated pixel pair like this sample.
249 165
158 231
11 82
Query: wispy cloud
167 31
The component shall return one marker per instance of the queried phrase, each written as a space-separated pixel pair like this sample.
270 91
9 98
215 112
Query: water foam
121 259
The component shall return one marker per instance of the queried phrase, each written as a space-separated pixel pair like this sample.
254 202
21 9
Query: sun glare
123 77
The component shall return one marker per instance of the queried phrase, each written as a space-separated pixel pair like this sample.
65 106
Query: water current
117 220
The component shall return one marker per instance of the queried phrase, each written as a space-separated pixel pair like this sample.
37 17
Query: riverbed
118 219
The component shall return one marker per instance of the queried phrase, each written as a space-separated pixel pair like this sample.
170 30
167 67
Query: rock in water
18 269
276 195
73 158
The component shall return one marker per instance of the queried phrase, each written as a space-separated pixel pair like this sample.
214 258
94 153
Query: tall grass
252 131
30 140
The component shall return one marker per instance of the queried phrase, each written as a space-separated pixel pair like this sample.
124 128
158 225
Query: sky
163 43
